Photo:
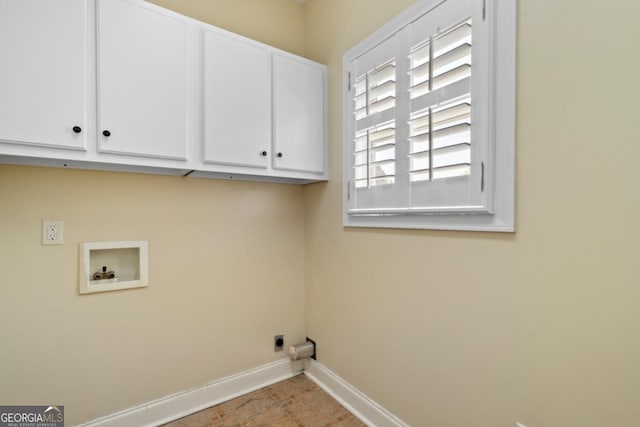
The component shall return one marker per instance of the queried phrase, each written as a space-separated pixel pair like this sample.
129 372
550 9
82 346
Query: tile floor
297 402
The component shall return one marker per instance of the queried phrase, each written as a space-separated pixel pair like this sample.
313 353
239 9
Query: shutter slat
420 53
451 76
375 156
360 172
452 38
461 54
382 104
419 170
419 145
379 147
377 137
419 89
452 155
419 121
385 170
360 86
384 162
419 71
443 169
381 175
461 146
360 158
452 66
452 171
382 75
360 112
460 110
420 137
376 107
417 154
451 122
360 143
453 135
380 91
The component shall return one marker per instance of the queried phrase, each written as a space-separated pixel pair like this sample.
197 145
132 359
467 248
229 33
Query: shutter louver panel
452 55
441 60
420 72
374 156
420 146
440 135
374 146
440 142
376 91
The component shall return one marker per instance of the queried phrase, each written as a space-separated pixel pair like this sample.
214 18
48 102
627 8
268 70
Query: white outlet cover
52 232
520 425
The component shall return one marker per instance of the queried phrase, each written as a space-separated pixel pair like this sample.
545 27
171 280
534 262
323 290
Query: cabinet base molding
117 167
85 165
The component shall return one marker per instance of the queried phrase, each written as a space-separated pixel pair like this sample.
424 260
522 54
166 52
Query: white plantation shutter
440 136
374 145
417 133
429 119
373 101
447 89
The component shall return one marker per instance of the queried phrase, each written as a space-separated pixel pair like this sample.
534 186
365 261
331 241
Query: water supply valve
104 274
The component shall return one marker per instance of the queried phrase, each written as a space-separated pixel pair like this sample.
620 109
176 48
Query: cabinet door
43 75
142 80
237 101
298 108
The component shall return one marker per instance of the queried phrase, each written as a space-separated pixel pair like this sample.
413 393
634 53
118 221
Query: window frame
499 171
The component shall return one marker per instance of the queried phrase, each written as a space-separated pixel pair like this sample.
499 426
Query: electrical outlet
52 232
278 343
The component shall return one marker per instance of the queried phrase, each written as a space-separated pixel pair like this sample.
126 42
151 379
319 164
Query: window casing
429 119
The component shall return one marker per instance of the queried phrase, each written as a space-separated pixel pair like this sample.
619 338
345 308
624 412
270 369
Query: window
429 112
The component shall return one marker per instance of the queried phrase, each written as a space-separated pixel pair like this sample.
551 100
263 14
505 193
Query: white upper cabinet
43 73
142 80
298 109
237 101
126 85
263 108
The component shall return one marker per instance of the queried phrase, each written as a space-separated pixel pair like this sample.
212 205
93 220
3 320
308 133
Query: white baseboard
368 411
181 404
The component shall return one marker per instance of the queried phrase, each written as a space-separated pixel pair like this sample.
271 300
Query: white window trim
502 14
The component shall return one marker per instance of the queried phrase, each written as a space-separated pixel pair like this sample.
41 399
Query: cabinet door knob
77 129
279 154
106 133
263 153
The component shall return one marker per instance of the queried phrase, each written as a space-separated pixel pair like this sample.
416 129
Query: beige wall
540 326
226 271
278 23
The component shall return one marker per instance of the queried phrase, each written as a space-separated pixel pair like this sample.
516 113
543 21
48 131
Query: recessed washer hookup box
112 266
